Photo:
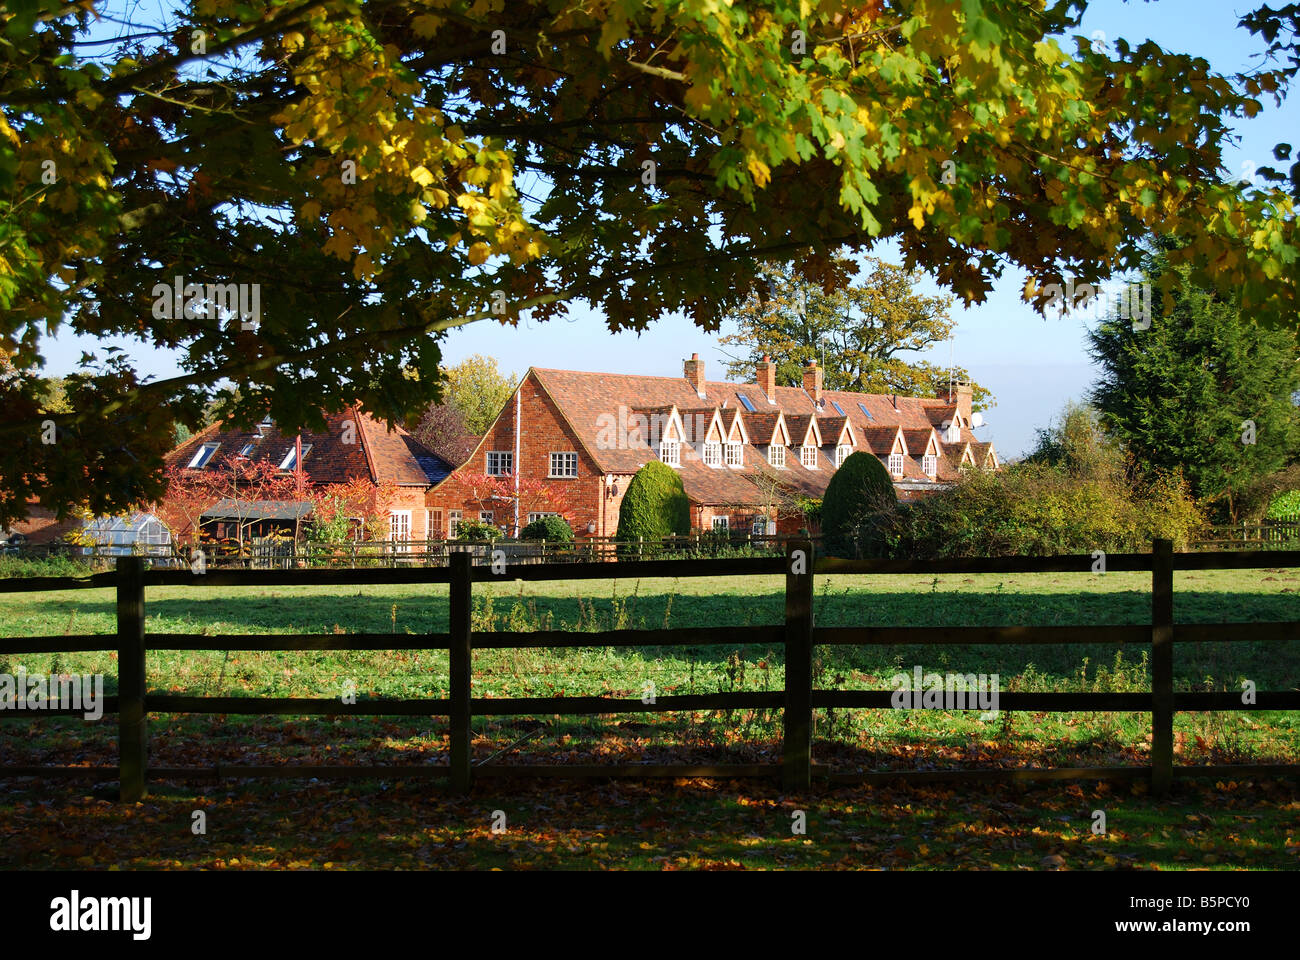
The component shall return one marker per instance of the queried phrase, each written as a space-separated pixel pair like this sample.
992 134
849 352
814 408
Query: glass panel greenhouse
138 534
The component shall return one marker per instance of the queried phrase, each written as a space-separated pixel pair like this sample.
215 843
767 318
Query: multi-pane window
485 516
433 523
670 452
841 454
564 464
532 517
759 526
735 454
930 464
290 461
713 454
721 523
500 463
896 464
203 454
453 523
808 457
399 525
776 455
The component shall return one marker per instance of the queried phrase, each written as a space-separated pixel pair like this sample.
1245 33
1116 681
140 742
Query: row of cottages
353 444
569 442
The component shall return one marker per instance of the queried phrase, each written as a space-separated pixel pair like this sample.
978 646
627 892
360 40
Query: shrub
1034 508
1285 506
474 530
654 506
858 505
551 529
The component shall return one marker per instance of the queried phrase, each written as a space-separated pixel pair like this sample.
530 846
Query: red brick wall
544 431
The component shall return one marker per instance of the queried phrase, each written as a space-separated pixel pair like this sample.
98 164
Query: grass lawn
746 824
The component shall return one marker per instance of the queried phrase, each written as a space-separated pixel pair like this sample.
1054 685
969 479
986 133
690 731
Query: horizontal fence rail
798 634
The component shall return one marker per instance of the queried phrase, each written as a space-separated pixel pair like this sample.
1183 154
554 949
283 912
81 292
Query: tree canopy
1202 391
855 333
303 196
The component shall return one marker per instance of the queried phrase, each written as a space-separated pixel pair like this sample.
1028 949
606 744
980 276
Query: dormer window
246 449
735 454
776 455
290 461
930 465
202 455
808 457
841 454
670 452
264 427
896 464
713 454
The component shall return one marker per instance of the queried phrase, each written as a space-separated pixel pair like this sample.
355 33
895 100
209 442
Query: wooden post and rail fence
133 702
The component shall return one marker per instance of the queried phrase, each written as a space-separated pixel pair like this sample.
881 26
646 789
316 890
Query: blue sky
1033 366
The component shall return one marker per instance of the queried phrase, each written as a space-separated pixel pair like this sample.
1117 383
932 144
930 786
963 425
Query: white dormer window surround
808 457
776 455
930 465
841 454
734 454
202 455
670 452
896 464
712 454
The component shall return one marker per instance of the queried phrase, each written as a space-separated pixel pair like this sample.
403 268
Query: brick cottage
568 443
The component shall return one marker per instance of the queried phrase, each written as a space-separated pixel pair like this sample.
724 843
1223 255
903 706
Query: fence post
461 669
1162 666
132 721
797 745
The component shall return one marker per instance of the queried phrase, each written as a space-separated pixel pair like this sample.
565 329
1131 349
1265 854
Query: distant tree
859 491
477 391
1204 389
441 428
655 505
1076 444
861 332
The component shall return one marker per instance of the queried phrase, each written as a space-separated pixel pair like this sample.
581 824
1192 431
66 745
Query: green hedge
654 506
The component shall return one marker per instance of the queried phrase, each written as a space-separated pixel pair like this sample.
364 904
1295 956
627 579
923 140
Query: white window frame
488 517
534 517
289 461
776 455
568 464
806 454
246 449
432 531
397 520
759 526
503 456
454 519
841 454
670 452
930 465
712 453
734 454
200 460
722 523
896 464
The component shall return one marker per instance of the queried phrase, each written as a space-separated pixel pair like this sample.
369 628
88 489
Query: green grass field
850 740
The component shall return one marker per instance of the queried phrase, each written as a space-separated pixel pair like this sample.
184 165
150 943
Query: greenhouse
141 534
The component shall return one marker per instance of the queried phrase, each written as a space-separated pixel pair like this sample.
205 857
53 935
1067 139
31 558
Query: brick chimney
962 398
694 373
766 378
812 380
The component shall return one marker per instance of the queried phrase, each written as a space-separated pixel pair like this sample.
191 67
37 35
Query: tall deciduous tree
1202 390
860 333
477 390
336 183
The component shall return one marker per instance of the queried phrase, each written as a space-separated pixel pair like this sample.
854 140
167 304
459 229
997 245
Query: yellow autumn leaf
418 213
478 252
309 211
426 25
422 176
293 41
760 171
362 266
